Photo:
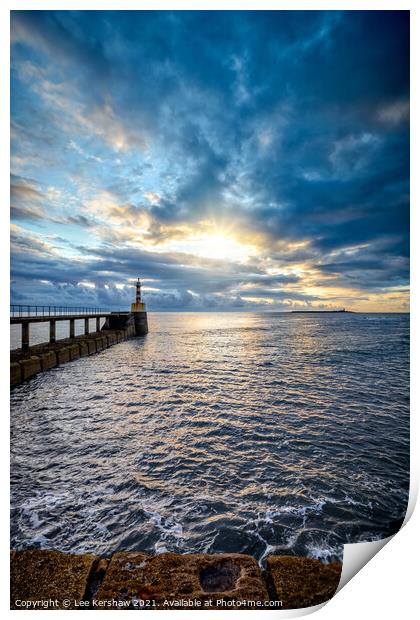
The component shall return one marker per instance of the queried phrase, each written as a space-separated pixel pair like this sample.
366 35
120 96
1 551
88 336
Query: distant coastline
322 311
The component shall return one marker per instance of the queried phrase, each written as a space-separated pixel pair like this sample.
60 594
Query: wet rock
38 575
301 582
170 578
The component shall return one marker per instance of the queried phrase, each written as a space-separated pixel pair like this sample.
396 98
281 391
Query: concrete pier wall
122 321
140 322
50 355
135 580
118 326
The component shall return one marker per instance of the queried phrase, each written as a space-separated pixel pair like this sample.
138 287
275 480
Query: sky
234 160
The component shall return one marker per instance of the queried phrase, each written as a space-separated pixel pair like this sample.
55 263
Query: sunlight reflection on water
219 432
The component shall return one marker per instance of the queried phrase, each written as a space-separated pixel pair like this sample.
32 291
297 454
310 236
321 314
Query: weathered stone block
105 344
141 327
99 344
172 576
301 582
63 355
91 346
30 367
15 374
111 338
38 575
48 360
74 351
84 349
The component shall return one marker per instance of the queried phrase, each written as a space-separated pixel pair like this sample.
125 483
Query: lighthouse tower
138 309
138 305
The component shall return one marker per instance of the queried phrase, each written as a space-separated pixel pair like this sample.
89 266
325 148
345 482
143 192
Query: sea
258 433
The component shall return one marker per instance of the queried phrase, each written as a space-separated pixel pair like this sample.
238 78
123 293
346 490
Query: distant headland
321 311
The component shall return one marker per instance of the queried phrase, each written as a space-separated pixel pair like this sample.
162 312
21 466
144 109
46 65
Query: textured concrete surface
302 582
96 577
30 367
111 339
172 576
140 322
63 355
99 344
84 349
74 351
91 346
136 580
48 360
125 578
37 575
15 374
52 354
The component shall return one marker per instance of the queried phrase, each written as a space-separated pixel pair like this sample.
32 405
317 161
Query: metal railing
24 310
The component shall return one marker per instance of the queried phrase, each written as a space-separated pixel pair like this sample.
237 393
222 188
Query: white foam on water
353 502
325 553
40 540
34 518
31 508
160 547
210 543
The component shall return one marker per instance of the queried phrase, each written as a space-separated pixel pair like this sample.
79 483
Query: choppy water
40 332
252 433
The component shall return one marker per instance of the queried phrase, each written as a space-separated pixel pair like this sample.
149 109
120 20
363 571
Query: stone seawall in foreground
130 580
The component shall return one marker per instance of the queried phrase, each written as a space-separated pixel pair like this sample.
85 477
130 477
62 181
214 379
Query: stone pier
135 580
25 321
25 364
138 309
30 360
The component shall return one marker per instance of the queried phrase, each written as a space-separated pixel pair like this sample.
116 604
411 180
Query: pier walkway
31 360
25 315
